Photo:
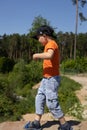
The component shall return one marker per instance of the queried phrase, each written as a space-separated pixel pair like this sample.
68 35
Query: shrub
19 76
6 64
35 71
6 98
79 65
12 105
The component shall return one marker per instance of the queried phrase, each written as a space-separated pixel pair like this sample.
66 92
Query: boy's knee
52 104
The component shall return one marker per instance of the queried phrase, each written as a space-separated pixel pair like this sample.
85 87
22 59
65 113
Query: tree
82 18
76 27
37 22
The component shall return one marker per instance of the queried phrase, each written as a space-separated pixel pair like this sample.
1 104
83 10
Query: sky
17 16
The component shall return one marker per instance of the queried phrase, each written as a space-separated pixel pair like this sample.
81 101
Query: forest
16 46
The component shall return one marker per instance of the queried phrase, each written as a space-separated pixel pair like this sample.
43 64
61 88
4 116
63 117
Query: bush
77 66
12 105
67 96
35 71
19 76
24 76
6 64
6 98
81 64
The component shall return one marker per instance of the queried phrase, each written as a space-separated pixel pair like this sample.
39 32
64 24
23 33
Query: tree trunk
76 28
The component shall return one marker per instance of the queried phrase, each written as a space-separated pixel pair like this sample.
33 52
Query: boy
48 90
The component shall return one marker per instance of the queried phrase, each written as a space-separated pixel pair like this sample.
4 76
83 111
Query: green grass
67 97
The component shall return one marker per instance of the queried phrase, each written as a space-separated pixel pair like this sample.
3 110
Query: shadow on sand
51 123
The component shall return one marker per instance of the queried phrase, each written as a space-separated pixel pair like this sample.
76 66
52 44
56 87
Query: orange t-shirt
51 67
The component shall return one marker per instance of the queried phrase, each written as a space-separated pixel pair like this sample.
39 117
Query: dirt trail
48 122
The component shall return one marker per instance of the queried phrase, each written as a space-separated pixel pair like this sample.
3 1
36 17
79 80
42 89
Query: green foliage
24 76
24 91
23 47
5 89
12 105
5 106
79 65
76 111
67 96
24 105
35 71
19 76
6 64
21 80
6 99
38 21
17 96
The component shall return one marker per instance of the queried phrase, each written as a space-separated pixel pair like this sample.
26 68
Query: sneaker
66 126
32 126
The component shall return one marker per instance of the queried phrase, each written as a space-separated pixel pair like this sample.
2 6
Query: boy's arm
45 55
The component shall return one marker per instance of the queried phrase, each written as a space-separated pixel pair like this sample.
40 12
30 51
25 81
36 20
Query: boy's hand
35 56
45 55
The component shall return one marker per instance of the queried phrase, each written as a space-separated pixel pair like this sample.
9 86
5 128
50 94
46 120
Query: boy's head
44 30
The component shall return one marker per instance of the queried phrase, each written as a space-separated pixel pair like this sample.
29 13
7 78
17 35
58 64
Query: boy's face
42 39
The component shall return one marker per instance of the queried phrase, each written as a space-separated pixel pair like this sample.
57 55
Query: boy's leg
64 125
62 120
52 97
53 104
40 101
39 105
38 117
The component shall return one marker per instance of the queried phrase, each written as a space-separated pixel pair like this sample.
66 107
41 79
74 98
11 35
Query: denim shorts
48 94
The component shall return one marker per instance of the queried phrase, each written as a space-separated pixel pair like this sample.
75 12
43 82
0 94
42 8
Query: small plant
76 111
67 96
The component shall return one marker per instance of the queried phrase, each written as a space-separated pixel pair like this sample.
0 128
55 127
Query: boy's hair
44 29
